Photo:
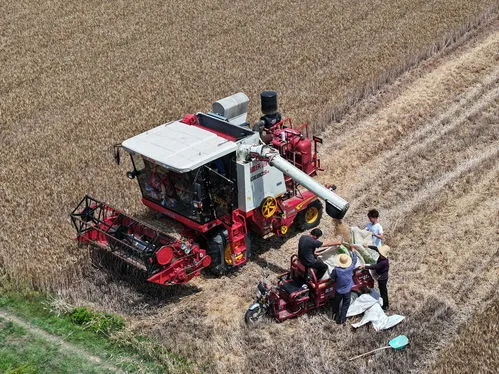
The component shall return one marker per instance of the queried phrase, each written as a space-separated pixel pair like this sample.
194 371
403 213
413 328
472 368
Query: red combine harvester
298 291
221 179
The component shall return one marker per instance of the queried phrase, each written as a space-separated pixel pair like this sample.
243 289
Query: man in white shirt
374 227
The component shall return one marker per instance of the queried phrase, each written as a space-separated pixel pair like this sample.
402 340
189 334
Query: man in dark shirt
307 253
381 268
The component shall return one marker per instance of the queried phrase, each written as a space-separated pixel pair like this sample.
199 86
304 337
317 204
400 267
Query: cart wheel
311 216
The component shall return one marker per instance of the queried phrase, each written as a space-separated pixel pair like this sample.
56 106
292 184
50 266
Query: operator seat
297 270
295 287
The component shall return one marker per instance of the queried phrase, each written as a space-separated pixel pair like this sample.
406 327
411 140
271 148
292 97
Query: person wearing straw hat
343 276
381 268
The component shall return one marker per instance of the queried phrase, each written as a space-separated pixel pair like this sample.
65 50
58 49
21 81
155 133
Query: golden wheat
78 77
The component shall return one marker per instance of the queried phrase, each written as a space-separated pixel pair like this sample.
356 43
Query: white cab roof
179 147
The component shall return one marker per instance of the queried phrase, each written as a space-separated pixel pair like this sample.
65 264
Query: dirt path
64 346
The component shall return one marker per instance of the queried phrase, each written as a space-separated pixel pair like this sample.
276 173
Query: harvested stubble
81 76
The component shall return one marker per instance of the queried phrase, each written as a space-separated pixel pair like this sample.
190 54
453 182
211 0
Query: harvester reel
86 214
269 206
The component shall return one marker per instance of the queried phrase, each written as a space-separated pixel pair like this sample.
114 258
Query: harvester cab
222 178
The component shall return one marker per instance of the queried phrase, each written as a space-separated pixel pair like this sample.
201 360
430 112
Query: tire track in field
470 104
431 189
65 346
362 140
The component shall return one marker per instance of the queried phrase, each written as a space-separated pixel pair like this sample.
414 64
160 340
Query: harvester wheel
217 243
311 216
250 253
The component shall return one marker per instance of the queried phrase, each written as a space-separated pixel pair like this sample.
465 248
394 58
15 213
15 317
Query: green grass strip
34 308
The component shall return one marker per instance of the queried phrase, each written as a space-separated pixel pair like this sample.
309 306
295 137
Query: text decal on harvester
259 175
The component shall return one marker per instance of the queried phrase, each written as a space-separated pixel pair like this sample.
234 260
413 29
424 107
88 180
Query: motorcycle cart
298 291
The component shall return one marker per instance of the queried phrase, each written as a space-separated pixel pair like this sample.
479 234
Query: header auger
222 179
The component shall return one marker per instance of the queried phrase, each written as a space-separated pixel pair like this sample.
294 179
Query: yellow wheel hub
284 229
312 214
228 254
269 206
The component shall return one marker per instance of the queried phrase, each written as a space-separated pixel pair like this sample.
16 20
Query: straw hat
384 250
343 260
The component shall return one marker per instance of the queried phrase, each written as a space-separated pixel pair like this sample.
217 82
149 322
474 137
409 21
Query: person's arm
353 255
377 267
326 246
330 244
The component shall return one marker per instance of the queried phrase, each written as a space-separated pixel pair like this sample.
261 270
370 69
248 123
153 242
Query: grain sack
360 236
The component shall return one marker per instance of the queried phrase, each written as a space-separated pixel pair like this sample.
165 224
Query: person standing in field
375 227
381 268
343 276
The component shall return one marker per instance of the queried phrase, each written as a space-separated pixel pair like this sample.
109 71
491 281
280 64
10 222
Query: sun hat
343 260
384 250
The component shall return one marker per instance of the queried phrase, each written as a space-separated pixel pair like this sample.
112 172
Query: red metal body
167 260
291 299
295 145
288 209
164 259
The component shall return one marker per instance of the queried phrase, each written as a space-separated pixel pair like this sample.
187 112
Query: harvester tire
250 253
216 245
311 216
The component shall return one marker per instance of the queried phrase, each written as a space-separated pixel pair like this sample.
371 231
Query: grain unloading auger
223 181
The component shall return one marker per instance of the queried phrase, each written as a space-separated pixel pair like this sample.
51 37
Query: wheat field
403 92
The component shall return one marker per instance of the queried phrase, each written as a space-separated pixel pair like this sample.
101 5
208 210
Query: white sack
328 256
379 319
362 303
362 237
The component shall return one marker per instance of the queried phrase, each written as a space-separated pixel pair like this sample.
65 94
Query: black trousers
383 291
341 315
320 268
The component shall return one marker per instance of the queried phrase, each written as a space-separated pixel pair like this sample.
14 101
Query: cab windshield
200 195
